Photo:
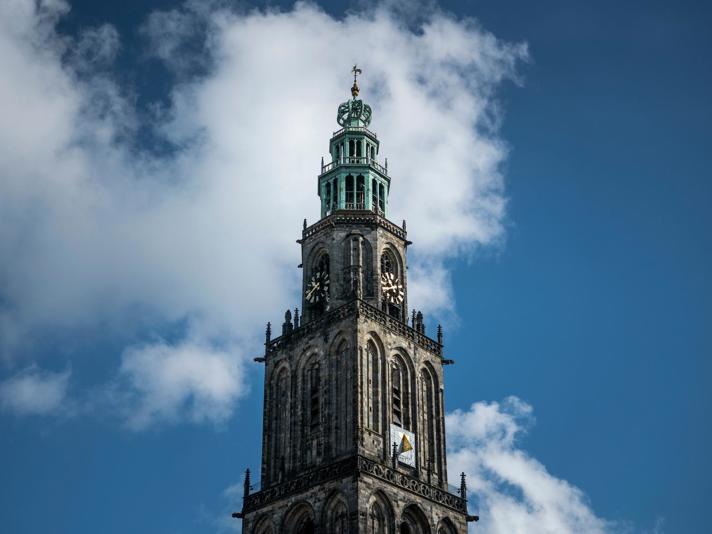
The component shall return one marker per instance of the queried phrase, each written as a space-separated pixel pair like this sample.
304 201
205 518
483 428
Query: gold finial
354 89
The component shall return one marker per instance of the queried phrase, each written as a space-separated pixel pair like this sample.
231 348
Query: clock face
317 287
392 288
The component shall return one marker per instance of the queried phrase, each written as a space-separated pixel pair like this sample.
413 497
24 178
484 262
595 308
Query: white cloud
95 233
515 492
166 383
33 391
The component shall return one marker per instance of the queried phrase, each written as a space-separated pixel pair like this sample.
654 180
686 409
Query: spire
354 88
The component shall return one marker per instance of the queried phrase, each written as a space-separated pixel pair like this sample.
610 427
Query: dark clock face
317 287
392 288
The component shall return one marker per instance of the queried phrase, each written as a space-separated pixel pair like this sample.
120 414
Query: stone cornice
353 218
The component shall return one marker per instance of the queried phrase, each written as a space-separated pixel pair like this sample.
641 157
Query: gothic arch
391 268
317 260
379 518
263 525
335 516
313 255
414 521
446 526
393 255
300 519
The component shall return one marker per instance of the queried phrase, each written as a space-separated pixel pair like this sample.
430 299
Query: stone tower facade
353 428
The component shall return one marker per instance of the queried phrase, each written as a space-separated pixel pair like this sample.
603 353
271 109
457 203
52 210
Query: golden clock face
392 288
317 287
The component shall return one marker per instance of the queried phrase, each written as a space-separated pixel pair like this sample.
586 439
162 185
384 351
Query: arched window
392 302
335 195
375 383
446 527
400 393
430 422
264 526
373 152
322 265
280 429
414 521
327 196
397 394
389 264
360 192
374 195
340 399
312 395
336 515
299 520
352 149
381 198
377 519
349 192
359 143
380 515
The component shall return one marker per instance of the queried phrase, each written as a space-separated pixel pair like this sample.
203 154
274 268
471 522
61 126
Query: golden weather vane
354 89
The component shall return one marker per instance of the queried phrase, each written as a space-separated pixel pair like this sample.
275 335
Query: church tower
353 423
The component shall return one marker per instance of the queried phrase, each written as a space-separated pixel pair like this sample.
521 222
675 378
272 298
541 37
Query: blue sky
580 286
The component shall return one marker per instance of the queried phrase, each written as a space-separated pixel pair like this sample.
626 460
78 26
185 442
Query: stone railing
398 327
346 161
356 307
360 129
356 465
412 484
300 483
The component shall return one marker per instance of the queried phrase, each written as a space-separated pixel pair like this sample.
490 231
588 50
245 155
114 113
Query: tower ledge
357 308
352 218
355 466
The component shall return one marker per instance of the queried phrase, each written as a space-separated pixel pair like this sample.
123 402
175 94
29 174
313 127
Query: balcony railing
355 206
354 161
355 129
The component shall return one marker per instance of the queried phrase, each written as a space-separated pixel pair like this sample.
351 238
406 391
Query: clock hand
314 288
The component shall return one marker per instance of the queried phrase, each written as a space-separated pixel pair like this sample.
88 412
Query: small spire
395 455
404 227
413 323
440 334
287 325
268 332
322 164
304 225
247 484
296 317
463 486
354 88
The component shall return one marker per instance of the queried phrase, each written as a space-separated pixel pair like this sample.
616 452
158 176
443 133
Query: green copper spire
354 180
